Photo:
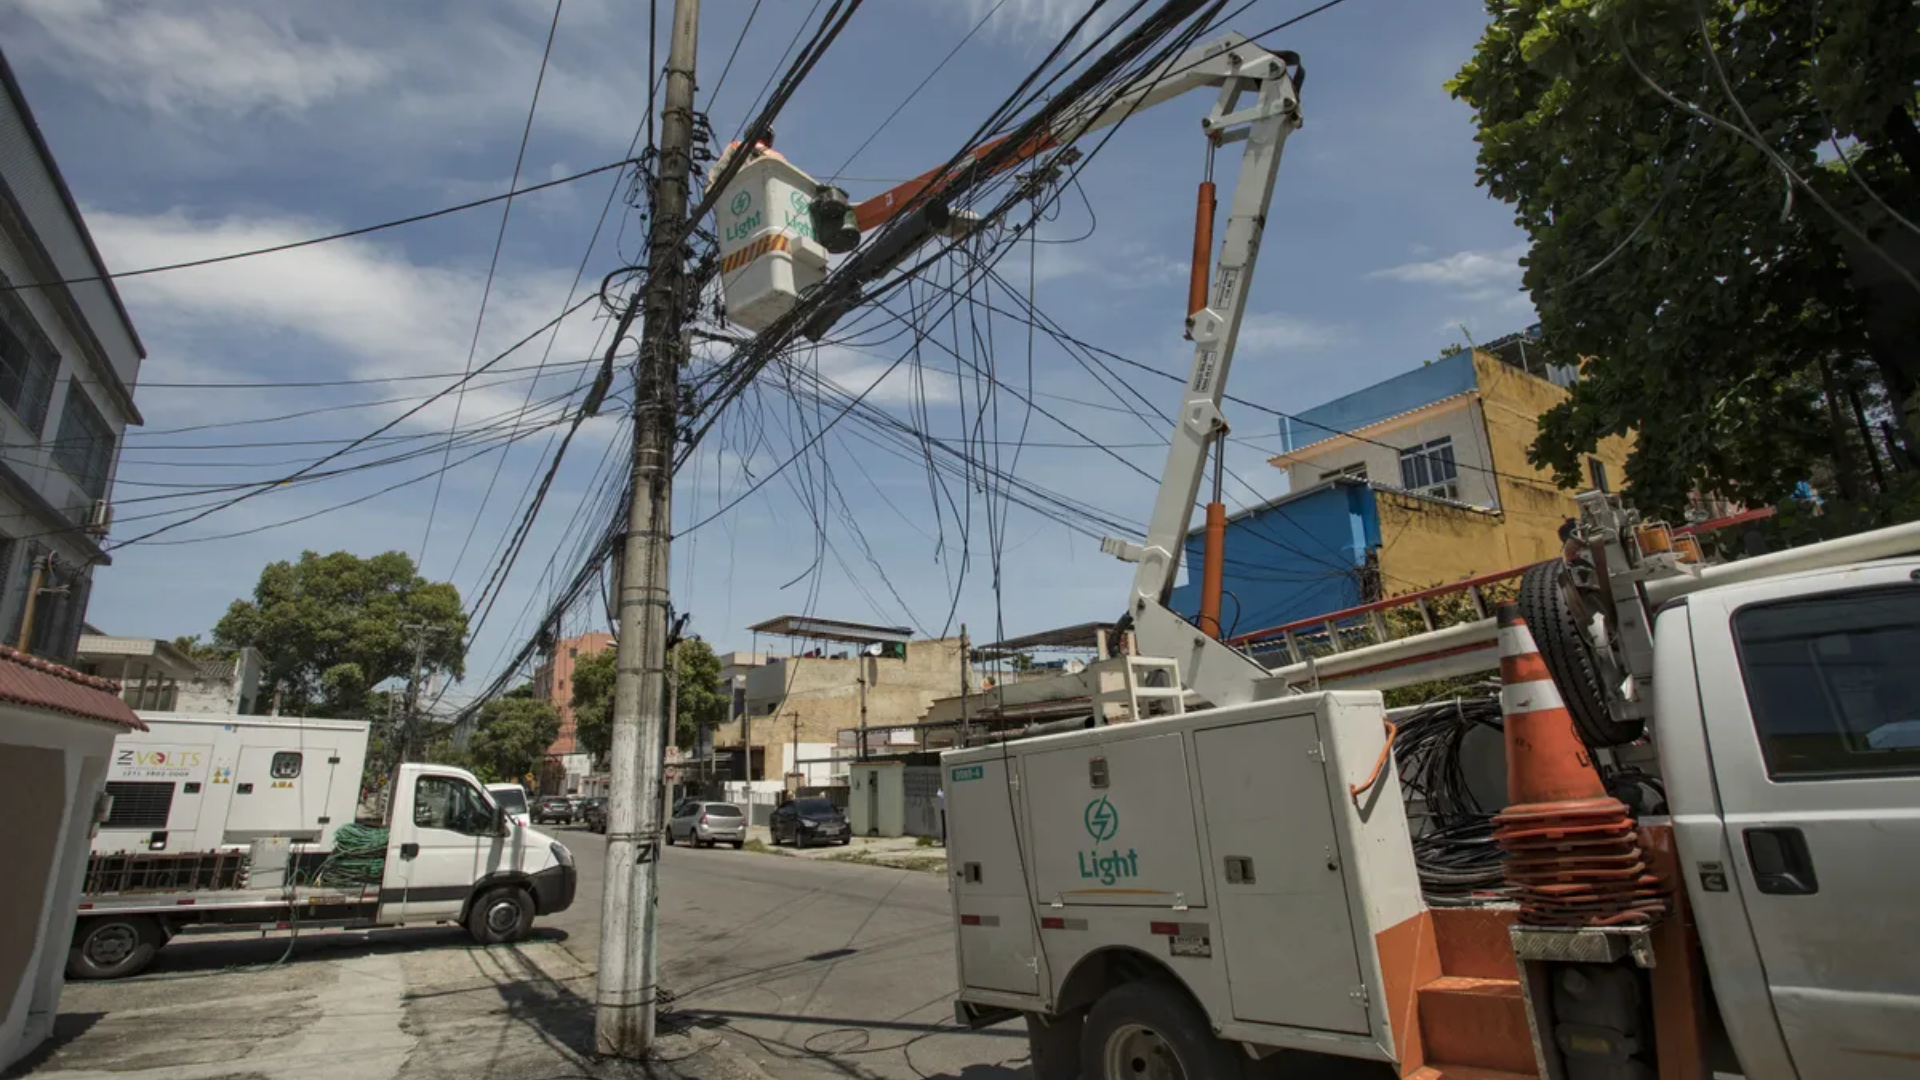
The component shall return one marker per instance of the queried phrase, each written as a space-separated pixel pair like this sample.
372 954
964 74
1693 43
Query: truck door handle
408 851
1782 865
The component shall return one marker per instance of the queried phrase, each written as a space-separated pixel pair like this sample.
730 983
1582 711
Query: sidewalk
899 852
420 1004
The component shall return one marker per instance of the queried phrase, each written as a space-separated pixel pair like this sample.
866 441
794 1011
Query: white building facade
69 360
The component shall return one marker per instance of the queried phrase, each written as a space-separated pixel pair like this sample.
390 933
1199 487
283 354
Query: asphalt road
813 968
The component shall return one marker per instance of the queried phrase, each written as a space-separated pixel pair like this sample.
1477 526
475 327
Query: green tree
1716 306
593 702
201 650
511 736
703 701
332 627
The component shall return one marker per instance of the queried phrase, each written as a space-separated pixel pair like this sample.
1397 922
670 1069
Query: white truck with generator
206 859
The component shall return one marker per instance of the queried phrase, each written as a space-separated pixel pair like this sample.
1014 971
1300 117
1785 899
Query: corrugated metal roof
42 684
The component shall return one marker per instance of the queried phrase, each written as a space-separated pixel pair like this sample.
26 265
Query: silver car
704 824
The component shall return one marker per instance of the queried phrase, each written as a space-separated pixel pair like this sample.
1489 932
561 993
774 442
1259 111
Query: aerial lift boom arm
1237 70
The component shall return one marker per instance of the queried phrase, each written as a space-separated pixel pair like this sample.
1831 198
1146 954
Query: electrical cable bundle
359 857
1454 852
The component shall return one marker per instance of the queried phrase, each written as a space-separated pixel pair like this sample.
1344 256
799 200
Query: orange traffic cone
1573 856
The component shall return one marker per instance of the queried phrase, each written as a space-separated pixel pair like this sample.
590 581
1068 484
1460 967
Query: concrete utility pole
966 658
626 993
35 583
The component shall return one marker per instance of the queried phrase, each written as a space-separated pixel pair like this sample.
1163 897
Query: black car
593 812
809 821
553 808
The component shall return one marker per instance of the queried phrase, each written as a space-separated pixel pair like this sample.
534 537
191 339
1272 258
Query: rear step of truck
1473 1021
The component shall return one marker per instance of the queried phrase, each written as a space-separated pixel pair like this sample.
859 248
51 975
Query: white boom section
1214 671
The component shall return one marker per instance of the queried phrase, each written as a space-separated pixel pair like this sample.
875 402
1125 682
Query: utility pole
794 765
966 658
626 992
863 708
34 584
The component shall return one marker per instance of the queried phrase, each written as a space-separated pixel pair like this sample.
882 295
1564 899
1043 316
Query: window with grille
1429 469
84 447
140 804
28 363
1356 471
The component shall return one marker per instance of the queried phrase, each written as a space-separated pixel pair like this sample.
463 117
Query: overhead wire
493 266
346 234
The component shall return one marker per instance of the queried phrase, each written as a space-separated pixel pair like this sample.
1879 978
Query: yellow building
1417 481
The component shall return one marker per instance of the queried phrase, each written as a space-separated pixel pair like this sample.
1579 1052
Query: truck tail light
969 920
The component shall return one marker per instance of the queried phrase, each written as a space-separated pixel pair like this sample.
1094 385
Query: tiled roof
216 670
42 684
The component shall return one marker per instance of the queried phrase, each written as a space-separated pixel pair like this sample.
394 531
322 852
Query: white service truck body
198 782
1249 858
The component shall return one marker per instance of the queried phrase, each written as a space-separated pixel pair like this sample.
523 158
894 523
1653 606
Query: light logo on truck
1103 824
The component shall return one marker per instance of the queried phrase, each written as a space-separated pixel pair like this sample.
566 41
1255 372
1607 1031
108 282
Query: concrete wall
43 239
41 915
813 699
1425 543
1296 557
1458 418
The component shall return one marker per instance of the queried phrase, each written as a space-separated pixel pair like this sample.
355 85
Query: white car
511 798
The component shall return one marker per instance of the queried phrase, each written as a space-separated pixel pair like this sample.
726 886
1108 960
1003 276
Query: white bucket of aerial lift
768 254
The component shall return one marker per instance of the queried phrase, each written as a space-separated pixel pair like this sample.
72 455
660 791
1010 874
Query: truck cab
1787 717
460 856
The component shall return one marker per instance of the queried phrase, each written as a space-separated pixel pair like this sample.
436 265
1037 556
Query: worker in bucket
762 147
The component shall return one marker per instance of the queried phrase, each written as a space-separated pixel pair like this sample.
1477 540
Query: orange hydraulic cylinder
1213 566
1202 250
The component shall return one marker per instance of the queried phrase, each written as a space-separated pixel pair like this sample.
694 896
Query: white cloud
1035 19
1463 270
231 59
361 302
1269 332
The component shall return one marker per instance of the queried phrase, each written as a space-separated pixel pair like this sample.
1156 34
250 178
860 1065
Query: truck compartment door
1284 925
1113 824
1815 740
278 791
996 932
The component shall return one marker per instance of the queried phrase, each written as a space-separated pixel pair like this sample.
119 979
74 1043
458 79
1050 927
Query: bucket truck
1229 886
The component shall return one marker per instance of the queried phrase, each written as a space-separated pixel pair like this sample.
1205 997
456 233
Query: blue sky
200 126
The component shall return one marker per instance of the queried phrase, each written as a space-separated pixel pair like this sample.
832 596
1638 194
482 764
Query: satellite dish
872 650
1075 666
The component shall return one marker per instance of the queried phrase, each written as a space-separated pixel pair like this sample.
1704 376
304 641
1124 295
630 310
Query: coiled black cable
1454 853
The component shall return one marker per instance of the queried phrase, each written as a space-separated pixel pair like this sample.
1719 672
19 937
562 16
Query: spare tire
1543 603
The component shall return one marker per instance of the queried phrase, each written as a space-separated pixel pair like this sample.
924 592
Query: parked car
704 824
593 811
555 808
810 821
511 798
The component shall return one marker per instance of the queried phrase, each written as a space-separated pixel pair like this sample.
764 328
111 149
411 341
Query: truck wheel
501 916
1149 1030
113 946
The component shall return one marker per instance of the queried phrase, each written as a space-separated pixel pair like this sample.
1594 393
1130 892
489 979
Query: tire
502 916
1543 603
738 844
845 840
1151 1029
113 946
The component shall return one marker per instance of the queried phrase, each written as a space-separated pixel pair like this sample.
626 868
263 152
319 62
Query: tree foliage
332 627
703 702
593 702
1717 307
510 737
